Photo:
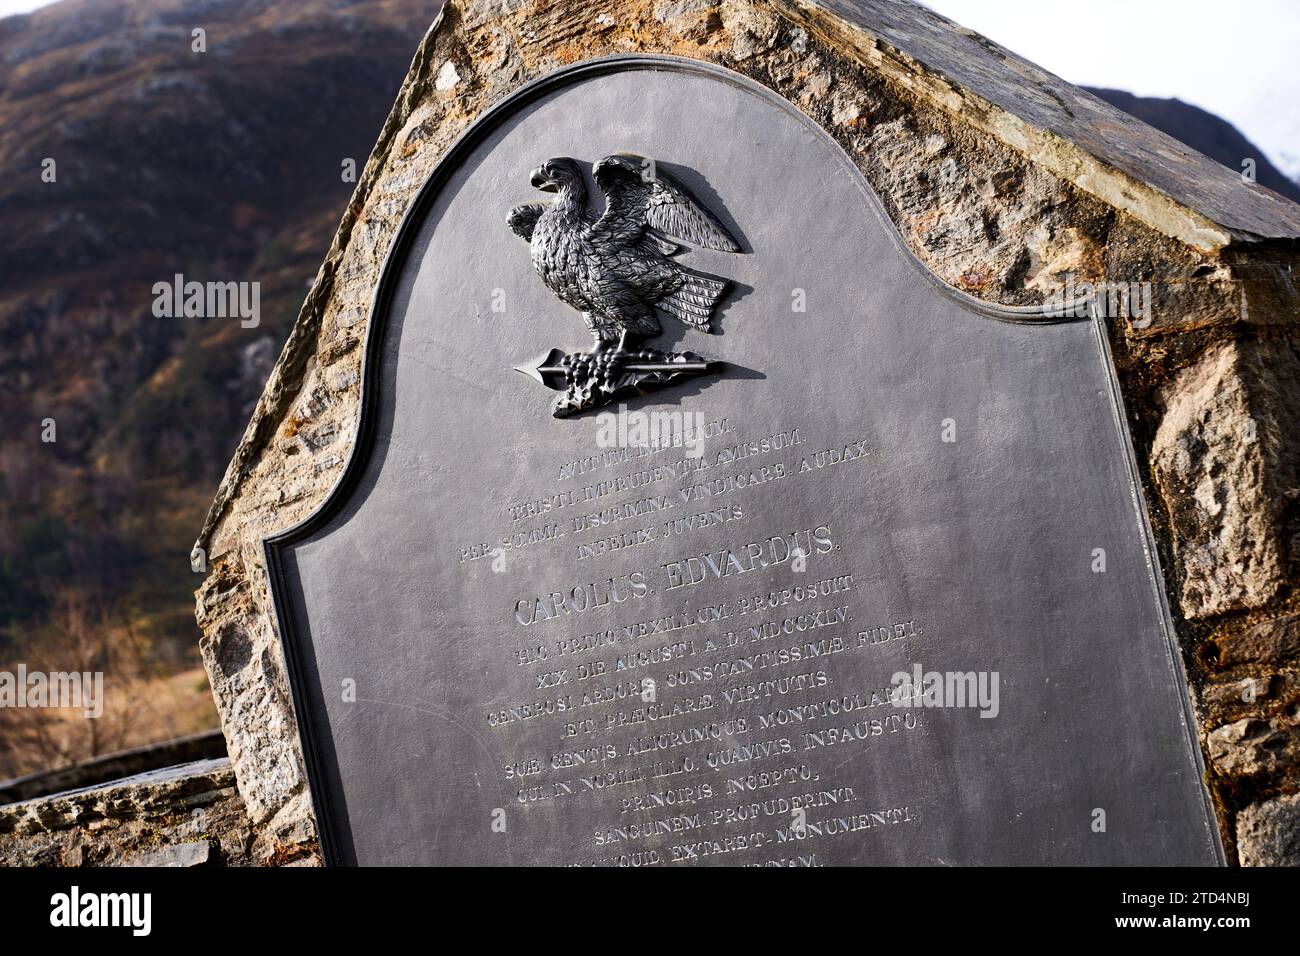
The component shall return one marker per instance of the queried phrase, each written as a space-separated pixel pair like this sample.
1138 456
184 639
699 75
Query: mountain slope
224 165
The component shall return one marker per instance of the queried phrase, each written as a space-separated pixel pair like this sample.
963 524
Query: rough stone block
1224 458
1268 833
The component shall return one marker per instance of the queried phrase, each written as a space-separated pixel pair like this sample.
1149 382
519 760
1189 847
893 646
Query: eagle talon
609 369
607 359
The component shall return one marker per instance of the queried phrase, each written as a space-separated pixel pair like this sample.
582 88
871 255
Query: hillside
224 165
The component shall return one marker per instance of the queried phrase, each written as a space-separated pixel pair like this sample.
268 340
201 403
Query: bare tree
85 636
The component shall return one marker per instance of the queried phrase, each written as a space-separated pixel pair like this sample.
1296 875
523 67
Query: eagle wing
522 219
639 194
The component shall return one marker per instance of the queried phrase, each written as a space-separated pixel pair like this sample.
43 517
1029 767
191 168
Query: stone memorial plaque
692 521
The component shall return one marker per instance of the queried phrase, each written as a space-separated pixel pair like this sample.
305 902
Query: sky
1240 60
8 7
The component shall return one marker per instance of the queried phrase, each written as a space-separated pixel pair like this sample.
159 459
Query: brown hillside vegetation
224 165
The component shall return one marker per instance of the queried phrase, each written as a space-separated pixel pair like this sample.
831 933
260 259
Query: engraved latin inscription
692 727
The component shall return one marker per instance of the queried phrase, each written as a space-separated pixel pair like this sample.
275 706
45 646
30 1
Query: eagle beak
541 181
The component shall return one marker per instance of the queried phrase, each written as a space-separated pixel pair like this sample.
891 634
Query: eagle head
555 174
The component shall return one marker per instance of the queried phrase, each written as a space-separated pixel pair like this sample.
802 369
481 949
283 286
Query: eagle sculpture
617 268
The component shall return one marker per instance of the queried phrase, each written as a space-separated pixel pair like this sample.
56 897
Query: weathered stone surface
176 854
1240 695
208 745
1208 460
253 691
1225 460
1269 641
187 815
1068 132
992 200
1254 748
1268 833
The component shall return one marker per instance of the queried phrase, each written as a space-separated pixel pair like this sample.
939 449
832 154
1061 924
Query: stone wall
187 815
208 745
994 205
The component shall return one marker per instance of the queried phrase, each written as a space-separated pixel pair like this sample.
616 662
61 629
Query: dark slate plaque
567 650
